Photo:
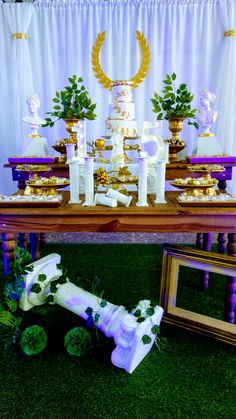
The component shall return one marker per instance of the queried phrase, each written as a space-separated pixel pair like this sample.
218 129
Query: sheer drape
184 37
226 88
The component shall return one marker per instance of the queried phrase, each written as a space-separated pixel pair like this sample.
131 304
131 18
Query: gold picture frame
173 258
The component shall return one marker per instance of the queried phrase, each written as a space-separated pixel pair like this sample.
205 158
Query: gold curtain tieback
232 32
19 35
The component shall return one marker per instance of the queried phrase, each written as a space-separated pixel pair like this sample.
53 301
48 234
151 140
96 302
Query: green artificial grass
192 377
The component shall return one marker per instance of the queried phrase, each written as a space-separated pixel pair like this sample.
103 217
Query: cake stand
46 187
34 171
196 187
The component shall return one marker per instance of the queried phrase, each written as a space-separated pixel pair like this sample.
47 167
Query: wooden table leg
34 245
199 240
42 240
206 245
22 239
8 248
221 240
230 285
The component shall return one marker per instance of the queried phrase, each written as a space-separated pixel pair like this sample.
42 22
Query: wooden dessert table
162 218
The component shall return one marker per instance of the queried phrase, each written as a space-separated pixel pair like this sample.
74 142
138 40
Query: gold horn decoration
19 35
141 73
231 32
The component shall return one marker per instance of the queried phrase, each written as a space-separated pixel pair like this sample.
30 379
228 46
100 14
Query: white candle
160 182
89 181
142 181
74 182
120 197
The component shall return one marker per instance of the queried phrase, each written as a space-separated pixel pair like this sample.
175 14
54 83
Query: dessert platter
218 200
15 201
196 186
45 186
34 170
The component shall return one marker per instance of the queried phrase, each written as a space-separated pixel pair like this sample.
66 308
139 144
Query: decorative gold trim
102 77
34 136
231 32
209 134
19 35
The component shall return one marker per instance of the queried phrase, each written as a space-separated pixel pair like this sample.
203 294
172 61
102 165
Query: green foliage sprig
72 102
10 314
175 101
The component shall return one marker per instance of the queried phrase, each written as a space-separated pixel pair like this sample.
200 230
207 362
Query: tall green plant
71 102
175 101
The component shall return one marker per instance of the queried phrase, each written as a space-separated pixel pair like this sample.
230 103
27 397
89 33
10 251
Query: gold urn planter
175 143
70 124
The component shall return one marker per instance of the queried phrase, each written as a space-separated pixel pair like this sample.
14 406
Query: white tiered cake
121 117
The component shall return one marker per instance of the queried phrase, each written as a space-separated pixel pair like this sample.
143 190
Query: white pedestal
35 146
207 146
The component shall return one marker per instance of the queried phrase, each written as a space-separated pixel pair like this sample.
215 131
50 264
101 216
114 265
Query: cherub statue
117 155
33 119
206 116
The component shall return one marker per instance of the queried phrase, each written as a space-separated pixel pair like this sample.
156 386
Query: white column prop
80 129
120 197
142 181
89 181
70 152
74 181
161 176
160 183
114 321
102 199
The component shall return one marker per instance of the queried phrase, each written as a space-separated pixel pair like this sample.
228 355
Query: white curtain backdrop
226 87
185 37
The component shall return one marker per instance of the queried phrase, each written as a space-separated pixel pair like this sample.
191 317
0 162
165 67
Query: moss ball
33 340
77 341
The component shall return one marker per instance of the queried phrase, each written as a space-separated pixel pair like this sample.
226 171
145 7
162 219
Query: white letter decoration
114 321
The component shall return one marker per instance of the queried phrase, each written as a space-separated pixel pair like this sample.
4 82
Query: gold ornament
139 76
19 35
231 32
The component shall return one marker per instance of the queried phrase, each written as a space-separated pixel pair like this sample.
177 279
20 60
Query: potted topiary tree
175 106
72 104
